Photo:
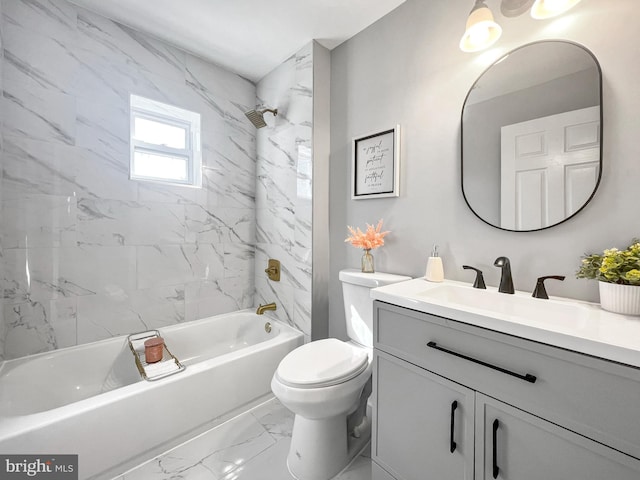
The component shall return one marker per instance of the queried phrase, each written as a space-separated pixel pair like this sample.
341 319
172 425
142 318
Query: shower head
257 116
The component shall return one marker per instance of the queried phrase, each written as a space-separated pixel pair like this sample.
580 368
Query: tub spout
263 308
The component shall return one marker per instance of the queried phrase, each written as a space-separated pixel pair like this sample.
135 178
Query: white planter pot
623 299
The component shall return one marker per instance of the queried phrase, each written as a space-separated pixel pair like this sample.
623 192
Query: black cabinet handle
527 377
496 469
452 447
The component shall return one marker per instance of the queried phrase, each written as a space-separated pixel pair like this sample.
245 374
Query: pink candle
153 349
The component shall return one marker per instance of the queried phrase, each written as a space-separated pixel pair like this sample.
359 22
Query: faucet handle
540 291
479 281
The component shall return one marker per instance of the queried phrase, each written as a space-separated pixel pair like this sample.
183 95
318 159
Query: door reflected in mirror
532 136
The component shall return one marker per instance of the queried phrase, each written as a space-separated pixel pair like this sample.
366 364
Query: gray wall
321 152
407 69
483 121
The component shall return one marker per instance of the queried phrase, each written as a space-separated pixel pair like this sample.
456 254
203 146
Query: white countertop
571 324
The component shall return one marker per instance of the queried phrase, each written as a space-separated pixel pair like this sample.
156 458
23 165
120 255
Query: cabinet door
423 423
514 445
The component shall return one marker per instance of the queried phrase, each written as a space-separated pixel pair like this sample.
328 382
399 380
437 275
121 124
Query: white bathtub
90 400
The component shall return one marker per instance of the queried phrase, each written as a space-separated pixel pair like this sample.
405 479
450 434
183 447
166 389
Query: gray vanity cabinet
543 413
529 448
424 422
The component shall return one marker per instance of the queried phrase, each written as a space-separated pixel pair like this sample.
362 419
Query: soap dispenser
435 272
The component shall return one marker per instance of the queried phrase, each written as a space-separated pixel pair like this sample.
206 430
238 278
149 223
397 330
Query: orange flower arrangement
372 238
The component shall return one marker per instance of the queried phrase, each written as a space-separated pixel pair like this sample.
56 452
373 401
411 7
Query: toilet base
320 449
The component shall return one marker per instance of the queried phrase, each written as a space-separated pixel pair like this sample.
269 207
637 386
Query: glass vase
367 262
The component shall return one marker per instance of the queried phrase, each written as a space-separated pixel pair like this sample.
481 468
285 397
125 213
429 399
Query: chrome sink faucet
506 282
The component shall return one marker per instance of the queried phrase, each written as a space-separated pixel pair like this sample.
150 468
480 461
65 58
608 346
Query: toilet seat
321 364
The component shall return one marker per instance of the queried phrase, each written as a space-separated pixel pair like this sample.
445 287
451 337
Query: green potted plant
618 273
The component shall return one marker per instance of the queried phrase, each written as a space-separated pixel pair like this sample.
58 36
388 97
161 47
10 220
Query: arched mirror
532 136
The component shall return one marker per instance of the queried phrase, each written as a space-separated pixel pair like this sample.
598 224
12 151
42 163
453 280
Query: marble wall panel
38 113
114 222
278 292
276 181
237 192
303 233
98 175
118 44
88 252
2 325
103 129
207 77
125 312
302 313
159 193
39 221
230 160
301 271
241 144
166 265
39 326
51 273
39 48
304 185
219 224
52 18
276 225
265 251
203 299
284 189
131 241
33 167
28 60
238 260
110 84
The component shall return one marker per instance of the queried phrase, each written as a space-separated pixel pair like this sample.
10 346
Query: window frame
152 110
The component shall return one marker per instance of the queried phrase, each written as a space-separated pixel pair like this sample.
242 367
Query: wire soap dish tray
169 365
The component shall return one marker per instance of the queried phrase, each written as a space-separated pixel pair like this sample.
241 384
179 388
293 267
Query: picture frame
375 171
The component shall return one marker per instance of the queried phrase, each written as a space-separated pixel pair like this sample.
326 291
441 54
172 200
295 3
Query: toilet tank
358 304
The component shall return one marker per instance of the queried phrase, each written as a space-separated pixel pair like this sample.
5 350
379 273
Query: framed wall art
375 171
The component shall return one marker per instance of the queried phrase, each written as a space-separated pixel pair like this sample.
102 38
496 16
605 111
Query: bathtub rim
175 326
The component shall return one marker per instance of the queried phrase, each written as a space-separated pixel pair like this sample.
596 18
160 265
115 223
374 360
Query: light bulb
481 31
479 34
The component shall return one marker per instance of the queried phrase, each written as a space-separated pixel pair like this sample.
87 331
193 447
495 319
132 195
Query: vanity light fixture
543 9
514 8
482 31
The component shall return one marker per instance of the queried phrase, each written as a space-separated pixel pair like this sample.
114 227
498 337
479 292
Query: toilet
326 385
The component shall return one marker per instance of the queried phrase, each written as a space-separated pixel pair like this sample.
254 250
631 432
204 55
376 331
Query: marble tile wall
87 253
284 189
1 248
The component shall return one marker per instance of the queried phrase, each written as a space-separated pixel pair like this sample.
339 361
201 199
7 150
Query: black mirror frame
595 188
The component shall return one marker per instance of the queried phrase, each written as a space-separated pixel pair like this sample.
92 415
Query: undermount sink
517 306
562 322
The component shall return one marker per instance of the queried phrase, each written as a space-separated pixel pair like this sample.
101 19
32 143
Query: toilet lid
322 363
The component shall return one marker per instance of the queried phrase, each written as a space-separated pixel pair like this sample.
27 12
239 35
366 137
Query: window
165 143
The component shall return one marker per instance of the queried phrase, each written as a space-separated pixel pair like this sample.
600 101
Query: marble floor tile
251 446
